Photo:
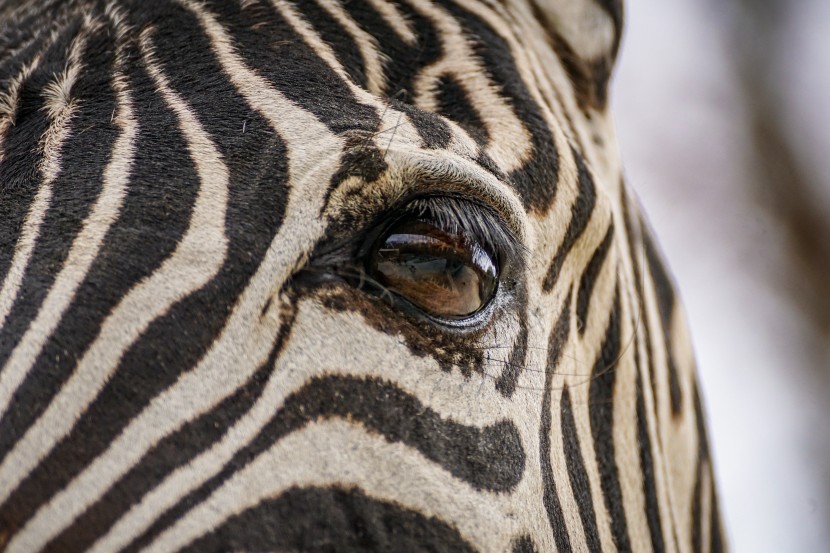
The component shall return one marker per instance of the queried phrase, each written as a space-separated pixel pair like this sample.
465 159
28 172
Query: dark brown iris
445 274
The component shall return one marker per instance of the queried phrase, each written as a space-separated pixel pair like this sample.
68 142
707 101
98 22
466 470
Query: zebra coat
329 275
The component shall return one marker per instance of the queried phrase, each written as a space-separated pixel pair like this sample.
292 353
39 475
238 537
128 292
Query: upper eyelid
412 173
461 178
482 222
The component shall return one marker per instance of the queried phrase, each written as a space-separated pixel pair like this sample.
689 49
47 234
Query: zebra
329 275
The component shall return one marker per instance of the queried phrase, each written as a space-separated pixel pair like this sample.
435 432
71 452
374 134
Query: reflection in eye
445 274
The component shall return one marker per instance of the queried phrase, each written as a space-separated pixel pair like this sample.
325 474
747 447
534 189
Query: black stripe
697 529
558 93
601 393
635 251
434 131
536 181
32 21
454 103
655 526
19 44
20 177
575 67
643 416
589 277
716 544
170 453
404 61
271 47
666 303
524 545
581 211
490 458
553 507
325 520
580 485
589 76
257 163
509 378
17 34
360 158
700 425
614 8
658 445
342 43
84 156
155 215
704 458
403 64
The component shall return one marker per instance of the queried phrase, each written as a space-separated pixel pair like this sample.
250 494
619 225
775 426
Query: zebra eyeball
443 273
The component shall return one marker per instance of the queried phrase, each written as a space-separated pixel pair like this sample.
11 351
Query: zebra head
330 275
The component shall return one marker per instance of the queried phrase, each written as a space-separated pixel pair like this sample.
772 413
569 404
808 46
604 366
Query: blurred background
723 115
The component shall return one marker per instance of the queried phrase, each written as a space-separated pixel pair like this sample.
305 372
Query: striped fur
187 361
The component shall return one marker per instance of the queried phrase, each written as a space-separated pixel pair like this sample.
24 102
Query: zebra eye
444 273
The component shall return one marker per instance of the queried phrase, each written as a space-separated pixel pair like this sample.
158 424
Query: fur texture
192 355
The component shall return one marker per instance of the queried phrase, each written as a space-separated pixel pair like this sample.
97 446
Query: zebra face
332 276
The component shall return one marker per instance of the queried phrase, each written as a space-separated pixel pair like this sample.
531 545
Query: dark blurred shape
786 185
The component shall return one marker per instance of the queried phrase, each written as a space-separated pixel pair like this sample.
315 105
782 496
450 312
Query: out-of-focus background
723 114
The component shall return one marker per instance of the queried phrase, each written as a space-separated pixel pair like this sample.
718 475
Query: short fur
191 358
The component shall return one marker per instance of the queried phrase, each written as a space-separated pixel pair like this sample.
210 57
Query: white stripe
88 242
10 96
8 103
546 78
195 261
462 64
395 19
366 43
212 381
337 453
320 47
351 345
51 144
560 472
395 125
586 26
626 441
247 339
14 278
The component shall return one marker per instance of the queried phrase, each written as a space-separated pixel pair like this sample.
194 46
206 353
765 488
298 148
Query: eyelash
482 223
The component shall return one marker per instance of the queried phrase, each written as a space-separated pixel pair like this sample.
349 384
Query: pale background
723 114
